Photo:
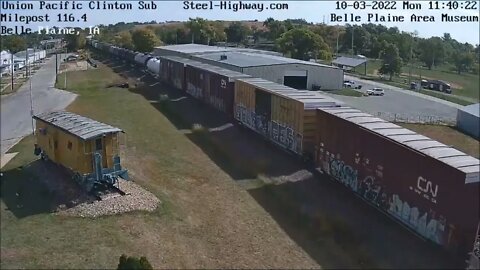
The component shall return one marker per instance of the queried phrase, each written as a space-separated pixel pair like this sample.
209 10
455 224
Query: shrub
133 263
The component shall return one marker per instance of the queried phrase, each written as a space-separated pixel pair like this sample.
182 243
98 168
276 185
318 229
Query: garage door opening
296 79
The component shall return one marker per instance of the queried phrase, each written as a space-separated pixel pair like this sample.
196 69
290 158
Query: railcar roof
221 71
310 99
420 143
77 125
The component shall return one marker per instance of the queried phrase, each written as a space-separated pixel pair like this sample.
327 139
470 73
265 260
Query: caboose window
69 146
98 144
55 144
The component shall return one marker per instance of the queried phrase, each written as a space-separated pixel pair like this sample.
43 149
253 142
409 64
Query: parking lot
400 102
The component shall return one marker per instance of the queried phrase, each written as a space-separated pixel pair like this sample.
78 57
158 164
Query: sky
312 11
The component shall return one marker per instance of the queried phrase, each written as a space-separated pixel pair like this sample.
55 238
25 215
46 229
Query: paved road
16 121
405 103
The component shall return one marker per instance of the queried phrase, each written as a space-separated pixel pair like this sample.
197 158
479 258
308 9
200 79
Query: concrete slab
4 159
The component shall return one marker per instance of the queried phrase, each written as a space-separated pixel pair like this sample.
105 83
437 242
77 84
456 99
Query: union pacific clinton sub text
234 6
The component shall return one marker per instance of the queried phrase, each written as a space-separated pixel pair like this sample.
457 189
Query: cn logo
223 83
427 186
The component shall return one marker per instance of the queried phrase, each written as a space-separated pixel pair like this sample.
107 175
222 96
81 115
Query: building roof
77 125
218 70
202 49
310 99
244 59
348 61
473 109
439 151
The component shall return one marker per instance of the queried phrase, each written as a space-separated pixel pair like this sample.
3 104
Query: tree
463 61
236 32
301 43
133 263
198 30
275 28
391 61
144 40
13 43
432 51
76 41
124 40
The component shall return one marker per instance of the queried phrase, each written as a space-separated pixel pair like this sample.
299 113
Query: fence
415 119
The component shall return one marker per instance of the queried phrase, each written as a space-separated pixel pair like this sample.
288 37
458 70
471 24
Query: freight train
429 187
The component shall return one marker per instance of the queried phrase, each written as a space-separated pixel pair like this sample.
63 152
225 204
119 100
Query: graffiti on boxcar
370 187
286 137
425 224
279 133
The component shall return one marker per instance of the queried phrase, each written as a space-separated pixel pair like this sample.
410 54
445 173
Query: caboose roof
77 125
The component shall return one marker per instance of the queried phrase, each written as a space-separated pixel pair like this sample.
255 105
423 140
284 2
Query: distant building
6 62
468 119
349 63
267 65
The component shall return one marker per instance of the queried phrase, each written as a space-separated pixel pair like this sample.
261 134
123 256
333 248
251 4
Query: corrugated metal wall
327 78
469 124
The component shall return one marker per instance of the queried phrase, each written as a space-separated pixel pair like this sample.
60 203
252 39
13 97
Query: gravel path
136 198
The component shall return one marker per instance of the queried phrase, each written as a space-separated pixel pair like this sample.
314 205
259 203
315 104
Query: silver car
376 92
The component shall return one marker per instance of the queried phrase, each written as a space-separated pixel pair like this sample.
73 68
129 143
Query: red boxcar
213 85
428 186
172 70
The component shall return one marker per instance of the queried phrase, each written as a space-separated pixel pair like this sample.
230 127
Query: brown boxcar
426 185
172 70
213 85
283 115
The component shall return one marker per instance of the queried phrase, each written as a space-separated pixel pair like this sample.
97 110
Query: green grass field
465 85
346 92
448 136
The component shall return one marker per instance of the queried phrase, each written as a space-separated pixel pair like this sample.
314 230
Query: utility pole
13 69
31 106
338 36
66 51
352 40
56 66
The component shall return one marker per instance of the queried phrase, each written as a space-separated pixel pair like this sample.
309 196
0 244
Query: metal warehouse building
468 120
263 64
187 50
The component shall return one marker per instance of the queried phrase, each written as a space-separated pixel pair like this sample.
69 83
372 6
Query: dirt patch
73 66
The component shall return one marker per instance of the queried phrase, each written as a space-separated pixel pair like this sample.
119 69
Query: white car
376 92
347 85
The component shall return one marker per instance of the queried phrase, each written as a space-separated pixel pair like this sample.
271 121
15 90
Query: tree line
295 38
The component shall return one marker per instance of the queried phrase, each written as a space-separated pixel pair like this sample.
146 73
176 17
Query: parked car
376 92
347 85
71 58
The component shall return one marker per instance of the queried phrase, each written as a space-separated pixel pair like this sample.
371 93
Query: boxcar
213 85
428 186
281 114
89 149
172 70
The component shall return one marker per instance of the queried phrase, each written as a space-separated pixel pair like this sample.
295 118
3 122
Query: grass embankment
205 220
449 136
346 92
465 86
